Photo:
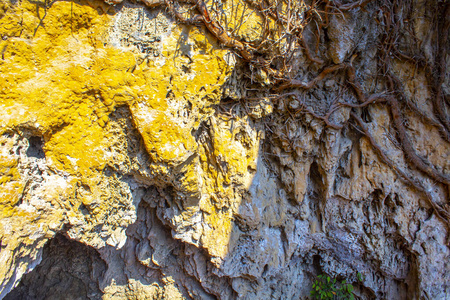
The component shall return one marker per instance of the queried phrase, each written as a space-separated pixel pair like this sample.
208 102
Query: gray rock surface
277 197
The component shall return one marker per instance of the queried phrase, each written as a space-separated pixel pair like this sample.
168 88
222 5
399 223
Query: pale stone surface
114 137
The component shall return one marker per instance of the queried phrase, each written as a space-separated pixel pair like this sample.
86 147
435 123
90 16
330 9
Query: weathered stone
124 176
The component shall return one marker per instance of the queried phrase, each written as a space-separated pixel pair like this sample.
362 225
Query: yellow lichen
61 78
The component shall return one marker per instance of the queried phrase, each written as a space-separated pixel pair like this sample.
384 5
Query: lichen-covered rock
63 82
134 164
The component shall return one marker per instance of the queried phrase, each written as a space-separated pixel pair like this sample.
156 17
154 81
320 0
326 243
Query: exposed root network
284 25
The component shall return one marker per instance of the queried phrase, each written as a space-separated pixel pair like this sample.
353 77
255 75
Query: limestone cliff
227 149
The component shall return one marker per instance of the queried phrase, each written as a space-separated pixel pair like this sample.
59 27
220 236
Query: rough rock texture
68 270
133 164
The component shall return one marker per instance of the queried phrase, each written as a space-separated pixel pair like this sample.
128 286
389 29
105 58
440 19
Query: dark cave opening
69 270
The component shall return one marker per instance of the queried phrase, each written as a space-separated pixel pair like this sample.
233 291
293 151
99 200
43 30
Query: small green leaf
350 288
360 277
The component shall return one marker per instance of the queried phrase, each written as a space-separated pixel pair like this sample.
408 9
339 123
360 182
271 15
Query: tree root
417 161
217 30
290 36
294 83
440 212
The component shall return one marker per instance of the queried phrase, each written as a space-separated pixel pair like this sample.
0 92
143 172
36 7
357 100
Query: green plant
360 277
326 288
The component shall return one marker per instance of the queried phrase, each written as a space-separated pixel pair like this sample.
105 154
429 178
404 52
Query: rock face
142 159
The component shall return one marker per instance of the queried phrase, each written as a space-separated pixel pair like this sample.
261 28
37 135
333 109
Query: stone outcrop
140 158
